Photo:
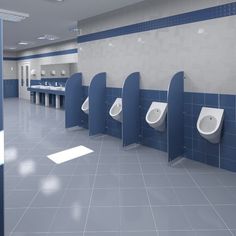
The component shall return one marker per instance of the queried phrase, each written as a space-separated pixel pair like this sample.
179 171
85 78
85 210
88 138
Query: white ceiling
50 17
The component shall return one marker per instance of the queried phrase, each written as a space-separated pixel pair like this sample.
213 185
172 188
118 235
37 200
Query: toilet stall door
24 83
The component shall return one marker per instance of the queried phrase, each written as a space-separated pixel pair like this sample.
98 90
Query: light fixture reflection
50 185
201 31
11 154
140 40
26 168
76 212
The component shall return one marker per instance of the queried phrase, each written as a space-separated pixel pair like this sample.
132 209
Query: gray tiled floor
113 192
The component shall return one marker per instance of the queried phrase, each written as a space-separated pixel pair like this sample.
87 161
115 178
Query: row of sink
48 87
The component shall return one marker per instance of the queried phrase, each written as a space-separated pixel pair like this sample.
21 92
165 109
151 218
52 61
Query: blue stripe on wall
10 58
41 55
185 18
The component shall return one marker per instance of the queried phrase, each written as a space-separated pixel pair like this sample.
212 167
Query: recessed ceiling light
74 30
48 37
10 48
12 15
55 1
24 43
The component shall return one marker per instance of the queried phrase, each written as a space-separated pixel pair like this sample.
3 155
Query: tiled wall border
41 55
170 21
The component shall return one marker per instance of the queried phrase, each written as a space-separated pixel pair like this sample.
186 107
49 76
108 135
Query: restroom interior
119 118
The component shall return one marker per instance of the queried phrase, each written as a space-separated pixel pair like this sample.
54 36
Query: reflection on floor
109 192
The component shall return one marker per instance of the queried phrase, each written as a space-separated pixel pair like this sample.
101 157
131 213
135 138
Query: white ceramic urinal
210 122
85 106
156 115
116 110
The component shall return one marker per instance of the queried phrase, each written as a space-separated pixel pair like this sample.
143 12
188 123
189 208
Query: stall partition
175 118
73 101
131 110
97 105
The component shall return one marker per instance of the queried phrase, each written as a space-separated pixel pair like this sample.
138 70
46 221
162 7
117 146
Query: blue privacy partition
1 138
130 106
175 117
73 101
97 104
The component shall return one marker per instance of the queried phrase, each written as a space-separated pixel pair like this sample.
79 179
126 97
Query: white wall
206 50
10 70
74 68
58 69
38 62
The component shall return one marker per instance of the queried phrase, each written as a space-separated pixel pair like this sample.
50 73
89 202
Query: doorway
24 80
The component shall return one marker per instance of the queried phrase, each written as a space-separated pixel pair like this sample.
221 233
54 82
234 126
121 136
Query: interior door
24 80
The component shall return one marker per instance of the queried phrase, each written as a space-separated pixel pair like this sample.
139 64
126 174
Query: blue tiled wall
149 136
221 155
10 88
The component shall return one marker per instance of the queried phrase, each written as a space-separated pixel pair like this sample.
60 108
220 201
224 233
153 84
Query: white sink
48 87
36 86
41 86
57 88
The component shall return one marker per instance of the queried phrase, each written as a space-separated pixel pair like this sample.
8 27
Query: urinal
85 106
210 122
156 115
116 110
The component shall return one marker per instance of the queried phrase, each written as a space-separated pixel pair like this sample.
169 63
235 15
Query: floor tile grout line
36 194
28 207
173 189
149 201
92 191
123 206
31 149
130 231
59 207
67 188
107 188
212 206
149 187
